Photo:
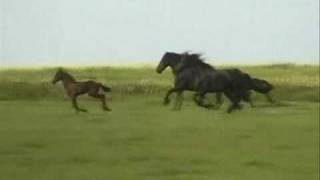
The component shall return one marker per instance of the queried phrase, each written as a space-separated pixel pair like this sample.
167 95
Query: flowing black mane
172 55
194 60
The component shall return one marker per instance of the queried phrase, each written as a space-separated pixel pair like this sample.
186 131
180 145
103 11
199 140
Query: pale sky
103 32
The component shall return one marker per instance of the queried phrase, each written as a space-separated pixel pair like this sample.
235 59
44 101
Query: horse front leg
104 103
166 99
75 105
219 99
196 98
235 102
251 102
179 100
269 98
247 98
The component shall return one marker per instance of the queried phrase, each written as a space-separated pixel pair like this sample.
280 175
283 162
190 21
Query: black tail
105 88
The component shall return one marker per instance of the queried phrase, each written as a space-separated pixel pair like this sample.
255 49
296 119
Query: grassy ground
141 139
41 136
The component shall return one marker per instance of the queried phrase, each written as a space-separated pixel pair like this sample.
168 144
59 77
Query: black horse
247 84
261 86
242 83
192 74
172 60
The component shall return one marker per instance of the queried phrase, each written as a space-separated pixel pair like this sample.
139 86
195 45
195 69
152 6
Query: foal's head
261 86
60 76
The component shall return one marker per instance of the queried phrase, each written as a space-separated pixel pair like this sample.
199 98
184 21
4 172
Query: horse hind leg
199 99
103 100
233 106
196 98
251 103
235 102
247 98
75 105
179 100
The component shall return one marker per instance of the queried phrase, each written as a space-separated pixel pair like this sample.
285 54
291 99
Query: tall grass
293 83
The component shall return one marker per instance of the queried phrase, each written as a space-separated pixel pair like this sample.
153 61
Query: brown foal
75 88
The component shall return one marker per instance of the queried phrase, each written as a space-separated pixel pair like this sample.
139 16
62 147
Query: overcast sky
93 32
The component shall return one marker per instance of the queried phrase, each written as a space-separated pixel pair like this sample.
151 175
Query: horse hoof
229 111
218 105
81 110
176 109
215 107
166 102
107 109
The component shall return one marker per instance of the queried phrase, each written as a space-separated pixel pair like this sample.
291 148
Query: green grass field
42 137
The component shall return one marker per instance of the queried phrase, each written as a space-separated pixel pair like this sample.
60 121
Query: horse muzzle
54 81
160 69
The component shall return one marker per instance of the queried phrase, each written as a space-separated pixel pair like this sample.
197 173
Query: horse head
262 86
57 76
168 59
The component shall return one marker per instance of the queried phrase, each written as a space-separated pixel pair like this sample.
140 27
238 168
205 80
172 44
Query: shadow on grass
245 136
33 145
137 159
275 104
125 141
81 160
284 147
258 164
176 172
13 152
97 120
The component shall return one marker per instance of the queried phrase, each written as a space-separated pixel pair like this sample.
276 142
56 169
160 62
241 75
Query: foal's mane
67 75
194 60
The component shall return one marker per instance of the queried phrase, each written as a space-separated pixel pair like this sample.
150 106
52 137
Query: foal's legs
75 104
103 100
94 92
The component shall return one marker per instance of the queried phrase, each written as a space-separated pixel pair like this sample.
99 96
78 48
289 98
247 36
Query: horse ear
186 53
266 84
60 69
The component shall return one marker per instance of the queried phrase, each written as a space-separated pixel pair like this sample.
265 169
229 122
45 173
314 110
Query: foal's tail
105 88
